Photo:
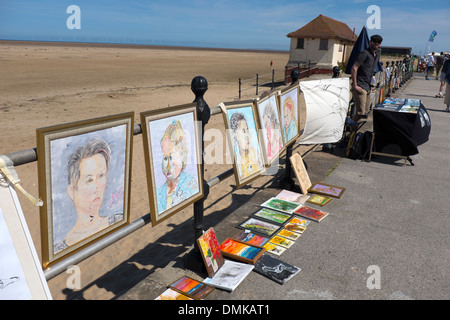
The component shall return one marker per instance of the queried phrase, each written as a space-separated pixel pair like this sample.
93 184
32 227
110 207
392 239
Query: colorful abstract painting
240 250
210 251
251 238
191 287
311 213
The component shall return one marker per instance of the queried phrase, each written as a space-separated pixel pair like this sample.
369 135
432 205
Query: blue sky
242 24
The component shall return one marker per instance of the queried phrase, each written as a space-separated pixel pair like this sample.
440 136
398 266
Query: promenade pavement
387 238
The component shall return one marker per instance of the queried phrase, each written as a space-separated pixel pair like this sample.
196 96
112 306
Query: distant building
324 42
396 51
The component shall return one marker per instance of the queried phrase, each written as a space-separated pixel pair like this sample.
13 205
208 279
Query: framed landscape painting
319 200
172 149
84 180
327 190
272 215
260 227
269 125
290 114
242 133
281 205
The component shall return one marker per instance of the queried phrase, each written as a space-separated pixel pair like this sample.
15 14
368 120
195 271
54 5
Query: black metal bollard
199 86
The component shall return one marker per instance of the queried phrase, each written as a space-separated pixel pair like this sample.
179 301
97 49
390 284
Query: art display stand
384 154
404 123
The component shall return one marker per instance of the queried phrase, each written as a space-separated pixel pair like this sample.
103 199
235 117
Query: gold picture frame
84 172
172 148
269 128
248 161
327 190
289 106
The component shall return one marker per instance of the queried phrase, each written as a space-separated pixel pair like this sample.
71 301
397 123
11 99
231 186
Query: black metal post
240 84
273 79
257 78
199 86
193 260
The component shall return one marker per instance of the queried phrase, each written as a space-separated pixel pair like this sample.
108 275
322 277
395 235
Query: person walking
430 65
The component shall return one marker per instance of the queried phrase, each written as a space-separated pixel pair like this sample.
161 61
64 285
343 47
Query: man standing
445 68
362 73
439 63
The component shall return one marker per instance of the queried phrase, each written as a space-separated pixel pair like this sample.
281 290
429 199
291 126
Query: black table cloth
402 122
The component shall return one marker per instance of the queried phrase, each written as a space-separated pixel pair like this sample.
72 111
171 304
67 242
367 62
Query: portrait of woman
84 180
87 178
271 128
289 114
247 156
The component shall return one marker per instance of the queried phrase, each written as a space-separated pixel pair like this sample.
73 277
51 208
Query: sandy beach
43 85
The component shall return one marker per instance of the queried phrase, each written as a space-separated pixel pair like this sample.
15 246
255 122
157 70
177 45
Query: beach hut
323 42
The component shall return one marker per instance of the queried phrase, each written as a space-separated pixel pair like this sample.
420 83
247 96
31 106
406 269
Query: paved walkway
392 221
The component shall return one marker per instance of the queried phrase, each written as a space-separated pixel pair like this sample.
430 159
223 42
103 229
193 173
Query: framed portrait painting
84 180
242 133
270 128
172 148
289 114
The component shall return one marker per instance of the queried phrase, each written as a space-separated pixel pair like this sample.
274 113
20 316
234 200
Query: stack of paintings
276 223
224 274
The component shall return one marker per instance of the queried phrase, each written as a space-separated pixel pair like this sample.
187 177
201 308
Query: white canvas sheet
326 109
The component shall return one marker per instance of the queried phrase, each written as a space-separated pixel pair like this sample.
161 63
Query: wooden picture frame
242 133
327 190
269 126
300 172
241 251
22 277
84 172
210 252
290 114
192 288
172 149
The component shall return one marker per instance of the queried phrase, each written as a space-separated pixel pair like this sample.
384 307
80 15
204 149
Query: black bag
359 145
